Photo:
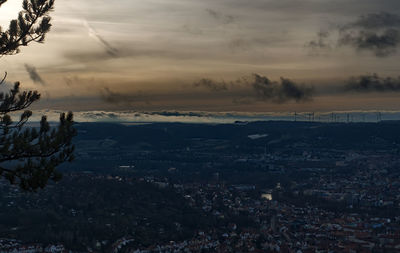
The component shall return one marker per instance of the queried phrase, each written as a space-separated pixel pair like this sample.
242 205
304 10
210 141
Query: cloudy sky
214 55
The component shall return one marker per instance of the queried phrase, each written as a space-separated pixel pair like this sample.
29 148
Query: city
241 191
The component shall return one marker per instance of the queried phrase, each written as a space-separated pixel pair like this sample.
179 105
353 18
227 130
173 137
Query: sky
214 55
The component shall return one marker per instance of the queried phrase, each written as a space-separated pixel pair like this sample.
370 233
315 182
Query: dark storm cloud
378 33
376 21
282 91
211 85
320 41
34 75
373 83
260 88
382 44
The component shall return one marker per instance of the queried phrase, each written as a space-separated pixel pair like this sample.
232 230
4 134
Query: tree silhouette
29 155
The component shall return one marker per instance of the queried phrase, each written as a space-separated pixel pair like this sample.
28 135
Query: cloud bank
261 88
373 83
281 91
378 33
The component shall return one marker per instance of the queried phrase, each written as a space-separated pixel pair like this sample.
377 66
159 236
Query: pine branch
35 12
28 156
4 78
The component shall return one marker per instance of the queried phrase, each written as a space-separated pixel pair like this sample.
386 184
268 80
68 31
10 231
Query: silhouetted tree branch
29 155
32 24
